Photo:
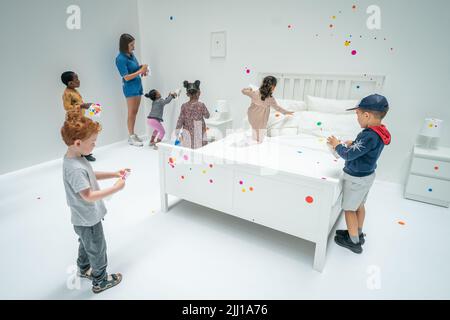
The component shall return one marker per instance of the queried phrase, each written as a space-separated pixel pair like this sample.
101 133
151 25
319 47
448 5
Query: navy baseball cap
374 102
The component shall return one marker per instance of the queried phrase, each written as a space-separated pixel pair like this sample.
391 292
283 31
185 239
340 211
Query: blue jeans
92 251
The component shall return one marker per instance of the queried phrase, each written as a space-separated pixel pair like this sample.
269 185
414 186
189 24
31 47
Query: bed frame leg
164 202
320 255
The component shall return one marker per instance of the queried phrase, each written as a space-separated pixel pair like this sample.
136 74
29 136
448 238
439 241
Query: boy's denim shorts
355 191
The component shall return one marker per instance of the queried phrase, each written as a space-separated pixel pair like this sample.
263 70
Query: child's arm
110 175
168 99
92 196
359 148
205 112
277 107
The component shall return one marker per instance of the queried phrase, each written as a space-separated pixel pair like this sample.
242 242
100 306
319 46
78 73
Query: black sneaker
346 242
90 157
342 233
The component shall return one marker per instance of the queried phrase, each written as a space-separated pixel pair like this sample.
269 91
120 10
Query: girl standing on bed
191 118
259 110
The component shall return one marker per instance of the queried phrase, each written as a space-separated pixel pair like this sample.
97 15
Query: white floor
193 252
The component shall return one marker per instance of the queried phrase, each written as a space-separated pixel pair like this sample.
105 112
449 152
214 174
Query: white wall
36 48
418 70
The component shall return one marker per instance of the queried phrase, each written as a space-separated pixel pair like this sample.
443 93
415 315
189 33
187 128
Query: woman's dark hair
67 76
266 87
125 40
151 95
192 88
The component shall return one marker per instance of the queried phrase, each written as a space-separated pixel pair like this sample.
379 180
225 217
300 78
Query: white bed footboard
297 205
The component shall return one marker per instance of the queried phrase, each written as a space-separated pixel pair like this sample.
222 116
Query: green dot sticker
319 123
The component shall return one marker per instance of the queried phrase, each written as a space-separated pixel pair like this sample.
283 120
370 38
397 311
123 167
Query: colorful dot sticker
185 157
243 189
354 7
211 181
430 190
357 87
354 52
182 177
247 71
401 223
171 18
309 199
203 171
289 26
171 160
331 25
333 17
241 182
436 168
319 123
210 165
277 115
251 189
347 43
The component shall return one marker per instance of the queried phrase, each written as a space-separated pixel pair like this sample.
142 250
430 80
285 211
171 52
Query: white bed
291 182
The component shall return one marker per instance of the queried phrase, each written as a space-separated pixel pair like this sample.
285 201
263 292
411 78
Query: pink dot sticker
185 157
354 52
182 177
210 165
436 168
210 181
309 199
241 182
247 71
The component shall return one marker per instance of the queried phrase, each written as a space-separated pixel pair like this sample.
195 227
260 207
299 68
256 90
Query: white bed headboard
333 86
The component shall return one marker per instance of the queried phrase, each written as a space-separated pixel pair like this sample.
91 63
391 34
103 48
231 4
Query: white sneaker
134 142
137 138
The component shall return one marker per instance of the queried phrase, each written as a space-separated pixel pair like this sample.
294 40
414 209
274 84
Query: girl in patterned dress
191 119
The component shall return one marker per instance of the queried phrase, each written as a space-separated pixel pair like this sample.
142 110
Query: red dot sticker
171 160
182 177
436 168
210 165
309 199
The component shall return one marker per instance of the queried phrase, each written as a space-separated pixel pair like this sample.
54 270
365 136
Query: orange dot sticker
277 115
309 199
251 189
402 223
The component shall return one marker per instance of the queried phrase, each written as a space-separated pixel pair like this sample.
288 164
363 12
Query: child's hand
119 185
333 141
122 172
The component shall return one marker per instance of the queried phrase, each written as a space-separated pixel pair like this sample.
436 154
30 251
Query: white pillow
343 126
291 105
329 105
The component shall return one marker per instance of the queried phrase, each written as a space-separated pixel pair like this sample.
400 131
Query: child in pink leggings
155 117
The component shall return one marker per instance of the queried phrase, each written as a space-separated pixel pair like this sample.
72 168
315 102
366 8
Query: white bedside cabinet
217 129
429 176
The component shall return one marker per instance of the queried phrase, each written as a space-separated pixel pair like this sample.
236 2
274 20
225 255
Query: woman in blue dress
131 72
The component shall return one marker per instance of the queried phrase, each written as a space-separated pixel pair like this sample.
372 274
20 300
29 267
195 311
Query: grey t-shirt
158 108
78 176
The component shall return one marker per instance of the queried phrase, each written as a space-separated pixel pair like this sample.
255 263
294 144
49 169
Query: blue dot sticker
430 190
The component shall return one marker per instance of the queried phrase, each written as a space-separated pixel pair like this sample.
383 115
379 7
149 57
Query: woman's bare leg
133 108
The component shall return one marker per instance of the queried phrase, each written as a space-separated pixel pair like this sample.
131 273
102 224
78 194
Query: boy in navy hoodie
360 158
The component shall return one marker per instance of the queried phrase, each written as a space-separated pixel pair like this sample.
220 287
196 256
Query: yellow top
72 100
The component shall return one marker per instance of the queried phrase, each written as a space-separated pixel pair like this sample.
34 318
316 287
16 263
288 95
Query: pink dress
191 120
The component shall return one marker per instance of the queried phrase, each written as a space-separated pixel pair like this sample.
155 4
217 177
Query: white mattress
303 155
